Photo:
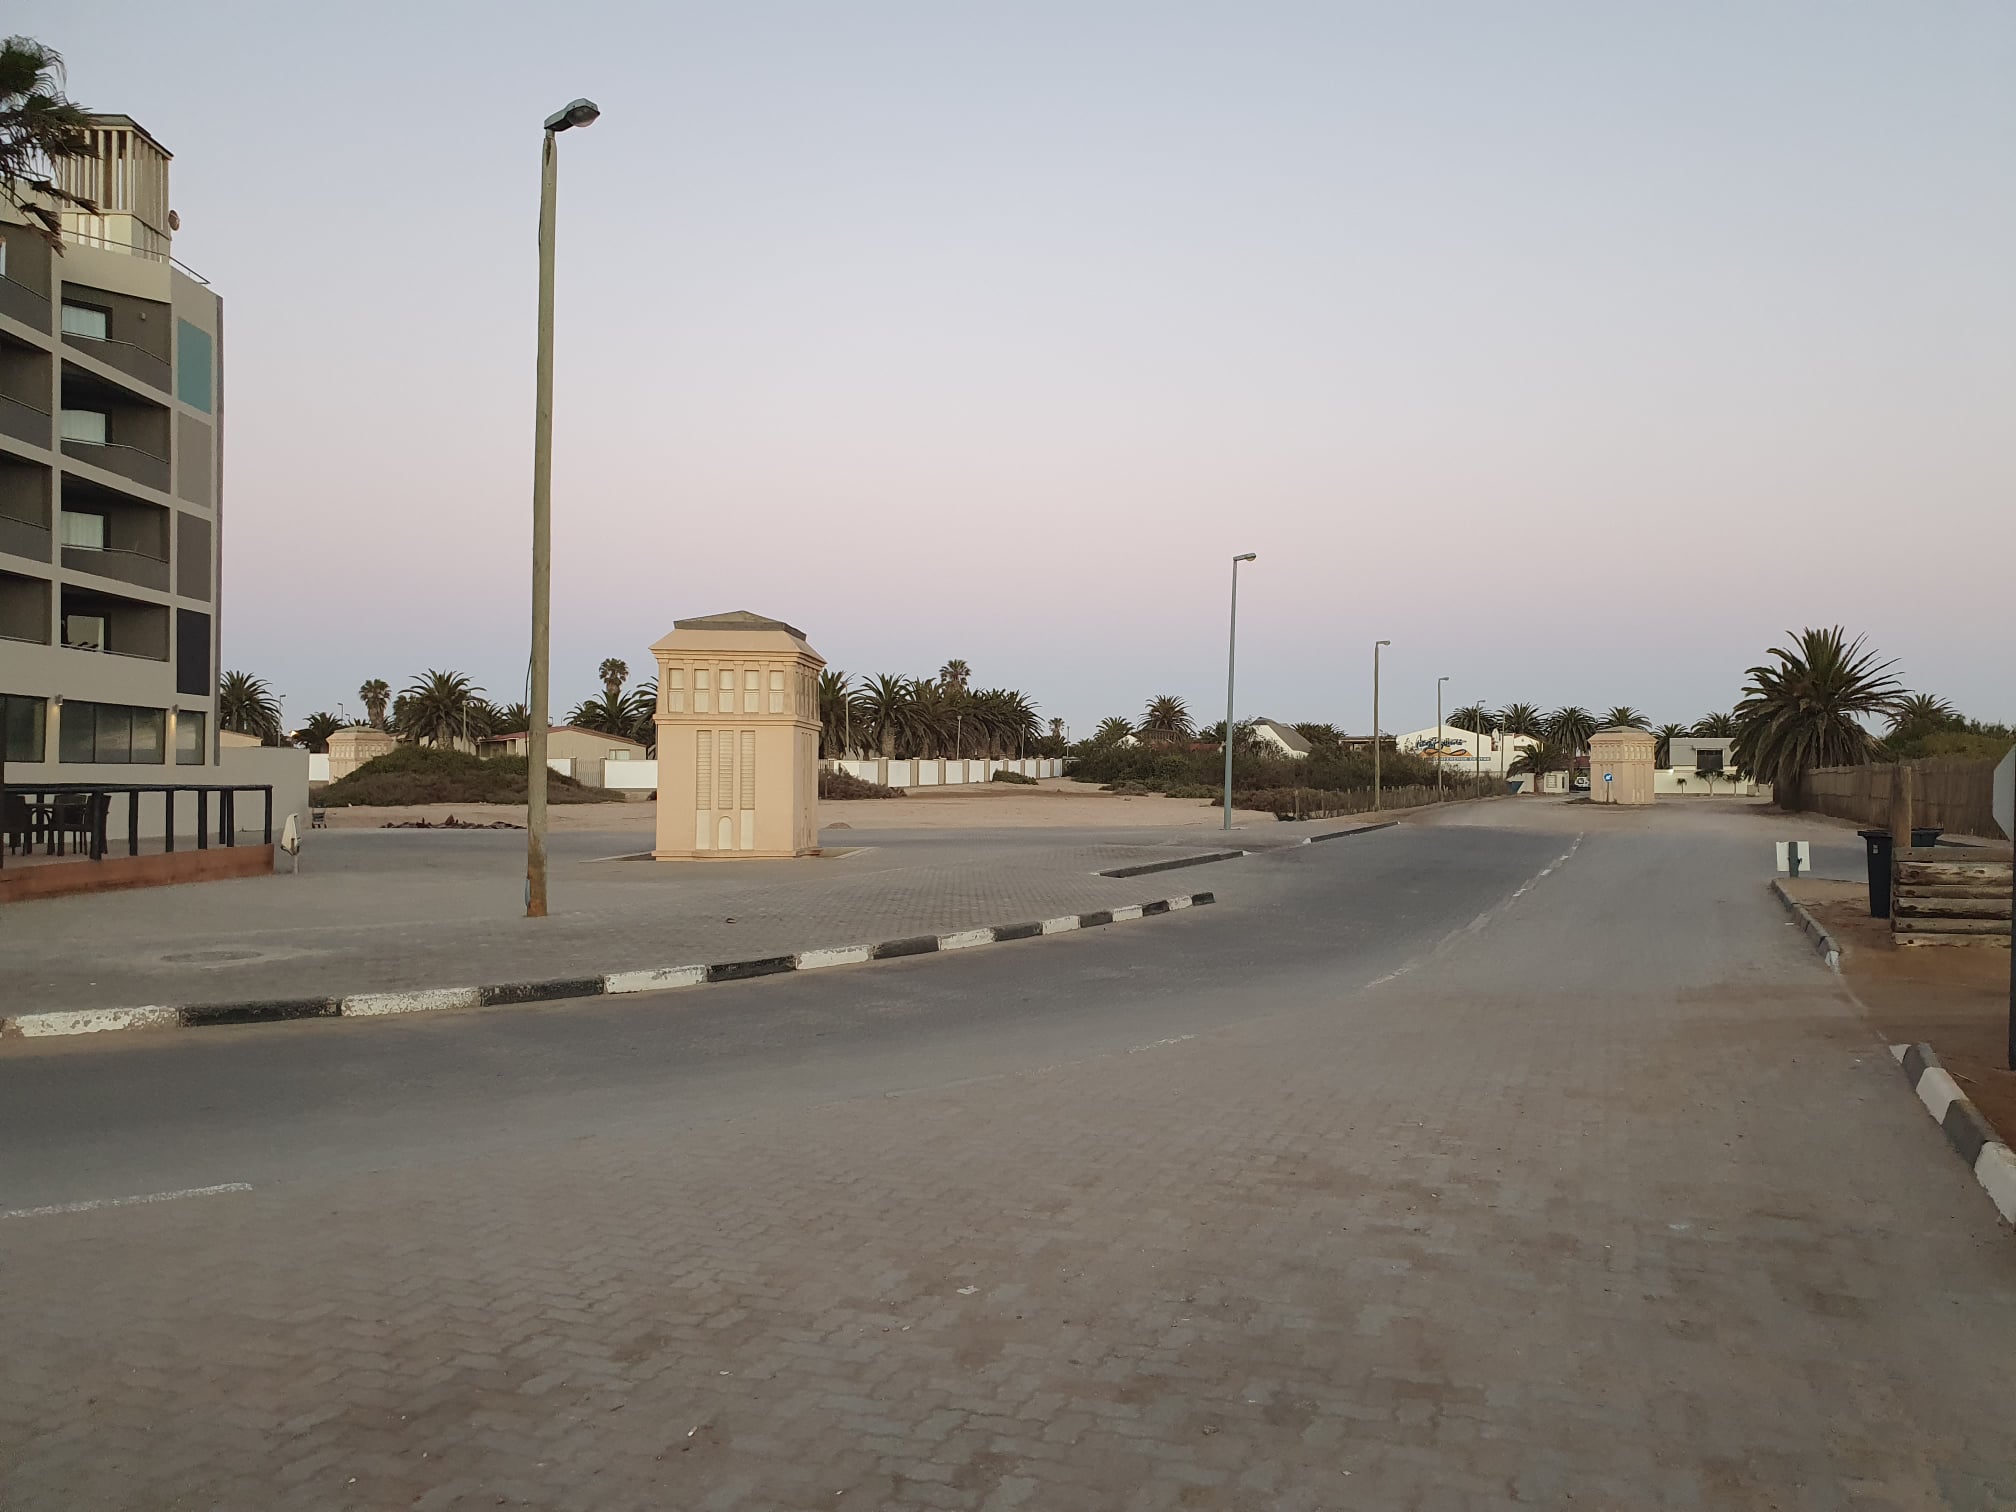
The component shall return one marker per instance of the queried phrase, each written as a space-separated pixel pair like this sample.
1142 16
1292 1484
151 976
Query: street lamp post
1438 737
1231 668
579 113
1375 721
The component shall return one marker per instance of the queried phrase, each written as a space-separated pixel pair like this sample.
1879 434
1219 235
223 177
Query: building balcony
23 304
24 538
129 462
135 362
135 567
24 422
113 625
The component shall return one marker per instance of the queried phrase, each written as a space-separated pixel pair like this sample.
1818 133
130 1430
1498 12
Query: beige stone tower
1620 765
738 740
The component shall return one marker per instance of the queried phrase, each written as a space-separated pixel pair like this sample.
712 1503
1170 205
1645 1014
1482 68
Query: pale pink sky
1580 349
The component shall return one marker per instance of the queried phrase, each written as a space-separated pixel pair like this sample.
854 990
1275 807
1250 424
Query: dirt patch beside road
1953 998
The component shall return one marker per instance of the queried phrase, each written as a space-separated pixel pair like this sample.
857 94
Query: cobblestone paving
1574 1212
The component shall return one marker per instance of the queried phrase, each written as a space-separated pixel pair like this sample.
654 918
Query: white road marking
1158 1044
114 1202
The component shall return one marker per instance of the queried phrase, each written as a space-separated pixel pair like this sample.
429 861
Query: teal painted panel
193 364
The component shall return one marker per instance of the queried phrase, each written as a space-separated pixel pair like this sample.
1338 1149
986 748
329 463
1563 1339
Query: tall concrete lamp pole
579 113
1231 668
1438 737
1375 721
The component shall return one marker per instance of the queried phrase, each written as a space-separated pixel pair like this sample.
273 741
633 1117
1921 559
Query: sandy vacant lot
1055 804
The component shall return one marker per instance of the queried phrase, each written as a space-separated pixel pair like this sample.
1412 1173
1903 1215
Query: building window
88 426
193 677
83 529
1707 760
193 362
26 724
111 734
190 747
87 320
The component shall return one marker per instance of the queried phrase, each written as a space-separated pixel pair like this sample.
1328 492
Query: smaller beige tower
1621 765
738 740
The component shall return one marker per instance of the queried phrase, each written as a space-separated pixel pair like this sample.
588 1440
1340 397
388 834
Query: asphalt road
83 1119
1519 1157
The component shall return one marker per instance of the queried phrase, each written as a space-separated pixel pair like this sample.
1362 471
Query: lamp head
579 113
1250 556
1382 643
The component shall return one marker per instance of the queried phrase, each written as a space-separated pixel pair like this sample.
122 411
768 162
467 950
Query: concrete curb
658 979
1363 829
1823 942
1142 870
1972 1137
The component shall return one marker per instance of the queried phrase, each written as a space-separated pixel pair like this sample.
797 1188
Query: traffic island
609 984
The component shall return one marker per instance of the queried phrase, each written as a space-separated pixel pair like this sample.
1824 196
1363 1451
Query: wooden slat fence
1951 793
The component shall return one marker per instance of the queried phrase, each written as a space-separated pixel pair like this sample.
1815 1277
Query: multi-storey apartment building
111 408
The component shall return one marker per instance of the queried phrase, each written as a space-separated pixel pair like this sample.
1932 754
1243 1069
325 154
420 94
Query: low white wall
942 772
1682 783
318 766
630 776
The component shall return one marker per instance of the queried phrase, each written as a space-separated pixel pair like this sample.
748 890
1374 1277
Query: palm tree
1624 717
1112 730
440 708
1321 737
376 695
316 729
1926 711
509 719
1668 733
1570 727
889 710
1537 759
1804 711
247 705
39 125
839 713
613 673
1472 717
1716 726
1521 719
1167 718
608 715
954 676
642 703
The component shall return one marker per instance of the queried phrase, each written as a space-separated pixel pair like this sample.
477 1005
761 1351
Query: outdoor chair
70 824
17 820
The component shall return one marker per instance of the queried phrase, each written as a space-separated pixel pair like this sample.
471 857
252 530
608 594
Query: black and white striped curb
1823 942
615 983
1973 1139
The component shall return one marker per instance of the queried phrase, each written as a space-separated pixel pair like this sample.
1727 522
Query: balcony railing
135 362
127 566
148 254
23 303
24 422
24 538
62 815
127 461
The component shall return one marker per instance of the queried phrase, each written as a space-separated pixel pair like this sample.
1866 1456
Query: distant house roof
1285 734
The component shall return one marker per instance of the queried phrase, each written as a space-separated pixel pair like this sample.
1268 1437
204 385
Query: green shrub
1195 790
846 785
1015 777
409 775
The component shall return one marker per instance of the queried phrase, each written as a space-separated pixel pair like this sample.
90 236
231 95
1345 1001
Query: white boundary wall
642 776
945 773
